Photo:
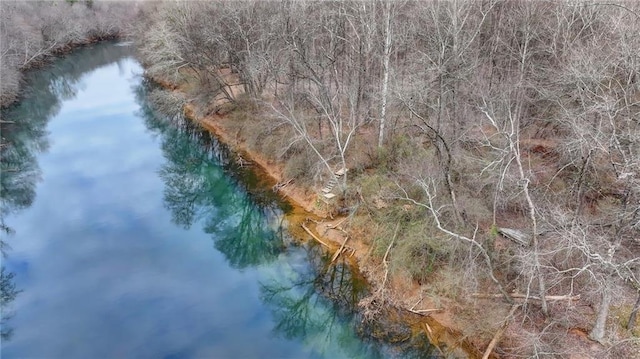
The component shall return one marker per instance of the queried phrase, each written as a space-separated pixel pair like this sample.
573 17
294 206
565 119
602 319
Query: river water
131 234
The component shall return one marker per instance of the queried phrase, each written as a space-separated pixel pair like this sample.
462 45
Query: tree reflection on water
24 125
8 293
317 304
24 137
311 299
203 184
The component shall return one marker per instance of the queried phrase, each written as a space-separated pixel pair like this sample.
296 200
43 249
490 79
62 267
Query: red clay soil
438 326
442 327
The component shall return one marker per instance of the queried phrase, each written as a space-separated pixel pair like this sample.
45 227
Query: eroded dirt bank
310 220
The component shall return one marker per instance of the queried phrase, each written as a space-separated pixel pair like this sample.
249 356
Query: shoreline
45 59
436 323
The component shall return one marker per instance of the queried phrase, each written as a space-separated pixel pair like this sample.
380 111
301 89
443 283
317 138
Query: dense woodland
492 146
33 31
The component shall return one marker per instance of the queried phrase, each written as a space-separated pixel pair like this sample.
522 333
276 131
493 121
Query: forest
34 31
485 152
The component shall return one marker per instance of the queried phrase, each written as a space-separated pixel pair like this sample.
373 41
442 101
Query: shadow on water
312 300
24 136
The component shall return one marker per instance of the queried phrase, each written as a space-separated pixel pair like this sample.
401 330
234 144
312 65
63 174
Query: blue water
130 235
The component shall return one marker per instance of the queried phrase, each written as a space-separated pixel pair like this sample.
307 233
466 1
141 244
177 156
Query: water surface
132 234
130 239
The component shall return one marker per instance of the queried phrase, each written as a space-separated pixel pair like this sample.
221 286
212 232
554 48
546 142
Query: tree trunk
598 331
579 201
385 75
632 317
542 287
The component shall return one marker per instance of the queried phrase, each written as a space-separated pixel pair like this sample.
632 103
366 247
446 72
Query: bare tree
32 31
514 112
386 55
429 187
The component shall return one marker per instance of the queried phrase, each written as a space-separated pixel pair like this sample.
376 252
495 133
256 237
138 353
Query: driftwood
342 248
314 236
496 338
242 162
280 185
334 226
433 339
524 296
423 312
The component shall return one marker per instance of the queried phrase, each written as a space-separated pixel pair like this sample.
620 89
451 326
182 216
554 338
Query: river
131 234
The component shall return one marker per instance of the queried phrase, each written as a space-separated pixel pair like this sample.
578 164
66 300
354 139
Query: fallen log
314 236
418 302
242 162
524 296
424 312
384 259
337 254
496 338
334 226
433 339
280 185
515 235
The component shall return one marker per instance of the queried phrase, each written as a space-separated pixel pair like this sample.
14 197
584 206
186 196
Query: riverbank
35 32
468 177
395 301
47 58
471 324
178 235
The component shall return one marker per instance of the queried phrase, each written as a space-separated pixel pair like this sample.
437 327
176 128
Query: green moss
621 316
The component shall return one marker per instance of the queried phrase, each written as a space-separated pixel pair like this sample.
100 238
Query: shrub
299 166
